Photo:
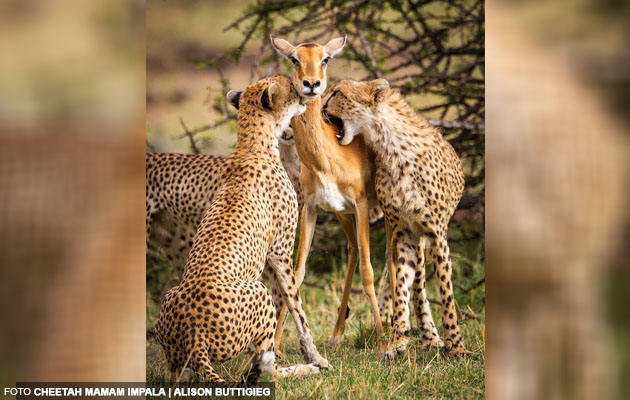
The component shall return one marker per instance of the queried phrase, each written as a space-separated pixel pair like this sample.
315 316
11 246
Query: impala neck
313 137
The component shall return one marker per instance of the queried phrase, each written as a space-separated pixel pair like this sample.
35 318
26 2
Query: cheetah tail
214 377
200 358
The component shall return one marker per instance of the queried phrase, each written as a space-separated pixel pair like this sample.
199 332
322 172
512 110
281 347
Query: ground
359 373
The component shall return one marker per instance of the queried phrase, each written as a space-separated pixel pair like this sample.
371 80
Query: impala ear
268 97
335 46
379 87
233 97
283 47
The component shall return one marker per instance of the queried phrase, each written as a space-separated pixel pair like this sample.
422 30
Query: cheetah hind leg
430 337
452 336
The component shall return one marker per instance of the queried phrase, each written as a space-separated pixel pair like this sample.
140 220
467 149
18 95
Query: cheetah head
352 105
272 98
233 98
310 61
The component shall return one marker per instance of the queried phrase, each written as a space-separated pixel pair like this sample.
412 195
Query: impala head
309 63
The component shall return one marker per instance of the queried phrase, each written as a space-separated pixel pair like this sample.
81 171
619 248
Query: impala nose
309 85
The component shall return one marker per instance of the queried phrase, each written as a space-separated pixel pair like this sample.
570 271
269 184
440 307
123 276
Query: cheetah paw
392 352
459 352
279 355
389 355
432 344
298 371
333 342
313 369
322 363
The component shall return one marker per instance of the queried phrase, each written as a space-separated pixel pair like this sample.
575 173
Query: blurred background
557 196
71 190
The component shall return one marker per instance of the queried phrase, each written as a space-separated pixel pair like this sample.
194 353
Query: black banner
137 390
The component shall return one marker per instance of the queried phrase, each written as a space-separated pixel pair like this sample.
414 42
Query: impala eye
325 60
294 60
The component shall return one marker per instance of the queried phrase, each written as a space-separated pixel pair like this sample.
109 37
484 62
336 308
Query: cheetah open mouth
336 122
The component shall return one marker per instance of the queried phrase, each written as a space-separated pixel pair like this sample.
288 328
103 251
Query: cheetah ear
233 97
283 47
379 87
268 96
335 46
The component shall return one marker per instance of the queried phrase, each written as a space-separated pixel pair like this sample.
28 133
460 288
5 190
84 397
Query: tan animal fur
335 178
419 182
220 307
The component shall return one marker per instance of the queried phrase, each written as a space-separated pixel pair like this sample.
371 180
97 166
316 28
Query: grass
359 372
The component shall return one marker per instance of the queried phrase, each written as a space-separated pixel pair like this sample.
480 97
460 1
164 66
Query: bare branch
188 133
203 128
368 50
458 125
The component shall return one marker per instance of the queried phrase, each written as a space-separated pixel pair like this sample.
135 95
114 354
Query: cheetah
220 307
181 187
419 182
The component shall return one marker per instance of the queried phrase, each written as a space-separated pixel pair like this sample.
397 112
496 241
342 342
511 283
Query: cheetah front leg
384 297
308 218
282 268
444 267
264 364
402 273
385 291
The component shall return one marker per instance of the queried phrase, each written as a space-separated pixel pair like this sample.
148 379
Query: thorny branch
430 50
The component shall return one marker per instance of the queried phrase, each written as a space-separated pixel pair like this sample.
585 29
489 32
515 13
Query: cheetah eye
294 60
325 60
333 94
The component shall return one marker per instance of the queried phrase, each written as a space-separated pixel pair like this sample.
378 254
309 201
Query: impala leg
365 266
347 223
